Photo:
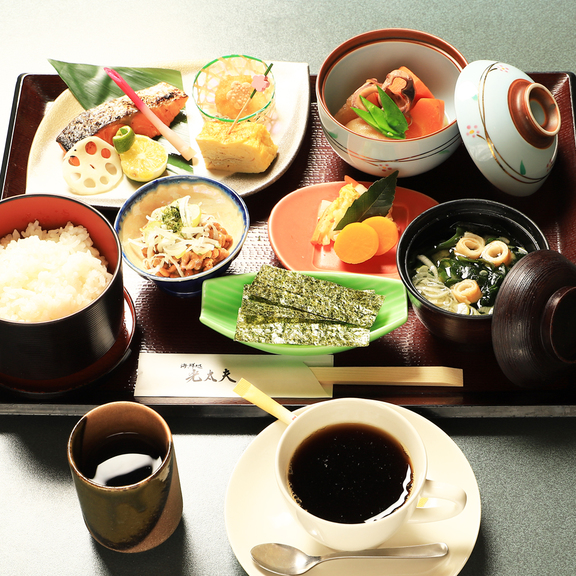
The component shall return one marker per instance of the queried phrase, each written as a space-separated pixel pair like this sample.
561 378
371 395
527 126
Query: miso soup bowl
227 207
35 355
433 226
373 55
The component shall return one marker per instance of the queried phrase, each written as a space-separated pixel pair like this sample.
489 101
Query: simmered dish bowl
374 55
178 231
63 304
425 235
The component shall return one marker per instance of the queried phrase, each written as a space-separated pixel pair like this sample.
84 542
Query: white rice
45 275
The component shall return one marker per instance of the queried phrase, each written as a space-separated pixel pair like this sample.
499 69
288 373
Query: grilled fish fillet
164 100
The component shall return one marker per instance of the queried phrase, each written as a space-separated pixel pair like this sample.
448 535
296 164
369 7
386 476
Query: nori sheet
316 296
293 331
285 307
255 307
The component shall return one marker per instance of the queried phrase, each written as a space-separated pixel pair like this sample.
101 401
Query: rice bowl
63 273
36 353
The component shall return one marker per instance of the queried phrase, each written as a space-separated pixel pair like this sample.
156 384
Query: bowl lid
533 328
509 125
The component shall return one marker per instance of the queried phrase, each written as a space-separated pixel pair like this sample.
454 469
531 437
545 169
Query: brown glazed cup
138 516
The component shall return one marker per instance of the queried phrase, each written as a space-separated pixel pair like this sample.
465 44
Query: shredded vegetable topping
179 240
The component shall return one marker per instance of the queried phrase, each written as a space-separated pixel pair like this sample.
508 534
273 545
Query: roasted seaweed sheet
321 297
286 307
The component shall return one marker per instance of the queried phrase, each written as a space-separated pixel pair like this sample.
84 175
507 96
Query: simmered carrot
356 243
427 117
387 233
422 91
350 180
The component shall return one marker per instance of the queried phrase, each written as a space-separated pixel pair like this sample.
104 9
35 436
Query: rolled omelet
247 148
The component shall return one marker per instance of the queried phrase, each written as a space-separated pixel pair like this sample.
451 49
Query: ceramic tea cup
123 464
349 424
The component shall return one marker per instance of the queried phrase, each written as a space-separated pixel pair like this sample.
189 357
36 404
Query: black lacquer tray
167 324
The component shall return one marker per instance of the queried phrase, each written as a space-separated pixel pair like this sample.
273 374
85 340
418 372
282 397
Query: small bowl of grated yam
61 290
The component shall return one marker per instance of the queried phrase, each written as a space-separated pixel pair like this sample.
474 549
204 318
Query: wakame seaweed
489 278
449 265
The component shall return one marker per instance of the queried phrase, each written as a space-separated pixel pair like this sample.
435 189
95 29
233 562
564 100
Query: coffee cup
123 464
352 472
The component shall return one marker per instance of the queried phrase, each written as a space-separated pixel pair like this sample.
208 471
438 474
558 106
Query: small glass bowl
213 83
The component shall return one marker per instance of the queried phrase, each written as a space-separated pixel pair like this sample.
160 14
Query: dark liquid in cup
122 459
350 473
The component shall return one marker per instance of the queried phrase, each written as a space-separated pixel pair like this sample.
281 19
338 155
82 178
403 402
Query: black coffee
350 473
122 459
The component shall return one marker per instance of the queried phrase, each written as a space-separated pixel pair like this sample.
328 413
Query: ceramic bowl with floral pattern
374 55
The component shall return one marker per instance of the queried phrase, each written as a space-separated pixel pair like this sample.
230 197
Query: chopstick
390 375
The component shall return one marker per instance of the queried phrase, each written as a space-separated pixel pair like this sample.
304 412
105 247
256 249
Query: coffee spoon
289 561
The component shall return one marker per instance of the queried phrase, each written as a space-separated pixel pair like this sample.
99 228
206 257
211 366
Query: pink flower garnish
260 82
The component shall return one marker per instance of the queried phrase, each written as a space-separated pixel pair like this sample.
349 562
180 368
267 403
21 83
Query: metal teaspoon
289 561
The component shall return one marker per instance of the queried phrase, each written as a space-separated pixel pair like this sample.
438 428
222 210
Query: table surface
524 466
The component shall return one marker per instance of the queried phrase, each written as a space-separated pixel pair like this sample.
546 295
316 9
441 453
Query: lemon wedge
145 160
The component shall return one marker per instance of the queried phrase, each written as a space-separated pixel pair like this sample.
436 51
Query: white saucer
255 512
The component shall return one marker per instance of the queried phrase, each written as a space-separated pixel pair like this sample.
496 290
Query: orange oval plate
293 219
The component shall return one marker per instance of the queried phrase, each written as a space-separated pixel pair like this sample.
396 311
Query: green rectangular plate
222 297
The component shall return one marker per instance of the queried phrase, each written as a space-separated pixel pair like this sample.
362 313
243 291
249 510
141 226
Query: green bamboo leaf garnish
91 86
177 164
376 201
388 120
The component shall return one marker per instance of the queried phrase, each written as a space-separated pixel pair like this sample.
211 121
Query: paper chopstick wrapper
215 375
390 375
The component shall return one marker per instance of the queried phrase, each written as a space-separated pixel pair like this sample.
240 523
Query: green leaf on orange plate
376 201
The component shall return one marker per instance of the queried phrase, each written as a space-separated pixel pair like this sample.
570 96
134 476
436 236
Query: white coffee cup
371 534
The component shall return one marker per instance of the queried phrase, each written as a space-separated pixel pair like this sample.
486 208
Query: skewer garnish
259 83
183 147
